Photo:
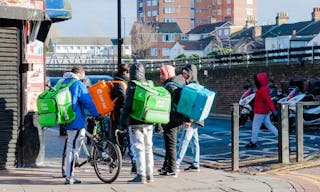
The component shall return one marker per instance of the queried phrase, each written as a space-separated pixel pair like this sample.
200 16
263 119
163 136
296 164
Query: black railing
292 55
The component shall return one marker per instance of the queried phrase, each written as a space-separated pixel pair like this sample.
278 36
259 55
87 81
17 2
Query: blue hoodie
81 100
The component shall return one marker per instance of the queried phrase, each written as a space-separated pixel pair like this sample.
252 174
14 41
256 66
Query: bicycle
104 155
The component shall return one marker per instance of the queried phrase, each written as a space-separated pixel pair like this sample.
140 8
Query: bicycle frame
104 155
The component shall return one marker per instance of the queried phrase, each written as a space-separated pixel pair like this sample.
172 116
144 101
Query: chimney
251 21
282 18
257 31
316 14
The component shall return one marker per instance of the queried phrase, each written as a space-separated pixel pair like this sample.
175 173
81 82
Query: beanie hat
167 71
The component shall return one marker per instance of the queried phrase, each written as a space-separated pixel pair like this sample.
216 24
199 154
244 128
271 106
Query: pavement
46 176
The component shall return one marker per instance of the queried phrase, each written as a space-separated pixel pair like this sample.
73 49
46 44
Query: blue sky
99 17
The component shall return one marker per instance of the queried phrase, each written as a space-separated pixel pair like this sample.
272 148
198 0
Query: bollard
283 138
299 132
235 137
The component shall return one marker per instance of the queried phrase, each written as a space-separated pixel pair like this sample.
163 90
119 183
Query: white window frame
168 1
219 2
219 12
154 2
249 2
168 37
168 20
154 38
148 13
249 11
228 11
226 32
228 1
165 52
148 2
153 52
154 12
169 10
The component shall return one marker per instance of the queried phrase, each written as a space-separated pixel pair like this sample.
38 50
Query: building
191 13
85 49
164 37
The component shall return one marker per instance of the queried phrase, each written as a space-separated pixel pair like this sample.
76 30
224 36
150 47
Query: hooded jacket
119 92
262 100
137 72
176 119
192 71
81 100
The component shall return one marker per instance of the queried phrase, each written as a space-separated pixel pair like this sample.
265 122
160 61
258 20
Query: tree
141 39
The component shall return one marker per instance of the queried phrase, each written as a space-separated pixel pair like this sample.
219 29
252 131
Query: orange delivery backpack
101 95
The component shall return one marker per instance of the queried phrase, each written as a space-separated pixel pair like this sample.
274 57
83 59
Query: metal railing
300 55
283 138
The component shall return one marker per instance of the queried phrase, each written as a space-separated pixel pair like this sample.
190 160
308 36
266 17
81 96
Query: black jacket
137 72
176 119
119 91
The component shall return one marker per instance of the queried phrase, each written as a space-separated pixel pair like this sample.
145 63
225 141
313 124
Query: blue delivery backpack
195 101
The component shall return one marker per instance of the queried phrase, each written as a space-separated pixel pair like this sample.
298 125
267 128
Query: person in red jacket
262 107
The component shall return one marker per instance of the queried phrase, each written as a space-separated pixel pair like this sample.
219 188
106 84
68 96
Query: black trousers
170 142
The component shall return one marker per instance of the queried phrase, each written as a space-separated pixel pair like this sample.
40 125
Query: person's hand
187 125
275 113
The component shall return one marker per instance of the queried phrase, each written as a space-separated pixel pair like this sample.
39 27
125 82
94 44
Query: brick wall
228 82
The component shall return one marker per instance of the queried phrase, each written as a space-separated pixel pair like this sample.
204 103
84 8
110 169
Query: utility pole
120 40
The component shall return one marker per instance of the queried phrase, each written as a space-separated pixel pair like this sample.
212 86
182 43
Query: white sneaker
72 180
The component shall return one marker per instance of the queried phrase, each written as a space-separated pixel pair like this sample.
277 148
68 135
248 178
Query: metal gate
10 95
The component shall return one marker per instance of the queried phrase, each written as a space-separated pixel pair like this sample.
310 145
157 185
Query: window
140 4
184 37
169 10
154 37
149 13
250 2
168 20
219 12
249 11
154 52
198 1
154 3
228 11
214 2
228 1
165 51
168 38
199 21
168 1
198 10
219 2
149 3
154 12
214 12
226 32
219 32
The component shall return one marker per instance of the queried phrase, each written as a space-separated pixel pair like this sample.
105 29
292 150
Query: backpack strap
60 84
174 84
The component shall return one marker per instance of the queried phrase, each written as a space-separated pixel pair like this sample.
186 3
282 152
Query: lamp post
120 40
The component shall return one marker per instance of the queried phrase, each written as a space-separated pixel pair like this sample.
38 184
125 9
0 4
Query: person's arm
127 105
267 98
86 100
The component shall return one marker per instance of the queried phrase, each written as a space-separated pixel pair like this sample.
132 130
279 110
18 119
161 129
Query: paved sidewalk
47 177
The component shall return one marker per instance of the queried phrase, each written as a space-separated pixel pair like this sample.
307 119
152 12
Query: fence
283 138
96 63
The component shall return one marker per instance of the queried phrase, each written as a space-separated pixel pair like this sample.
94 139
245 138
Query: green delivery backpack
55 105
151 104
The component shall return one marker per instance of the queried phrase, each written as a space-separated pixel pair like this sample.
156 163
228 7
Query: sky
99 17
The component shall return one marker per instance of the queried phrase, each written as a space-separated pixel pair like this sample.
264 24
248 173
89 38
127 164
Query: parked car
92 79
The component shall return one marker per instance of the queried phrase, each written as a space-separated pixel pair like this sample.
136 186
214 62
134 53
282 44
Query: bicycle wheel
107 160
63 164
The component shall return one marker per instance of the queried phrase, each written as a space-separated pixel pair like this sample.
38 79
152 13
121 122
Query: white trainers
72 180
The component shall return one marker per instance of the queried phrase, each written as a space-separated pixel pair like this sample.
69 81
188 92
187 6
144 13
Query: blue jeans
258 120
190 134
